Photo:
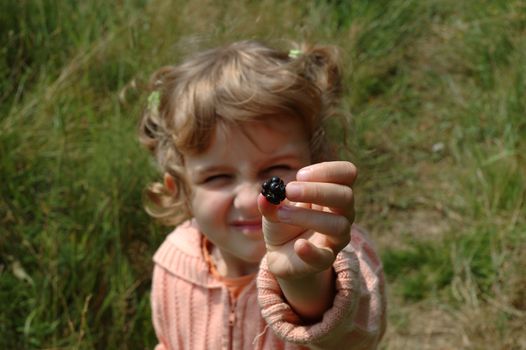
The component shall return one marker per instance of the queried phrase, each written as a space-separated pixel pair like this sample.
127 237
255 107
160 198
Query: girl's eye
216 178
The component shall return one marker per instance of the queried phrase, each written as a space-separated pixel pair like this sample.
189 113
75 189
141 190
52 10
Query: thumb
274 231
267 209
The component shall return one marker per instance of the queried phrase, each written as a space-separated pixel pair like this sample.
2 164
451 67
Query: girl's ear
169 183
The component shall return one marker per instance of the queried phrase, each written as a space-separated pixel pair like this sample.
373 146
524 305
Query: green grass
436 89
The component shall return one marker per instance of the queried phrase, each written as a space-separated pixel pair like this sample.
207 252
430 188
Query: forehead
255 141
266 135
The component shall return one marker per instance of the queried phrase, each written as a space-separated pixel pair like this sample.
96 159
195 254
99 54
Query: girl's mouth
250 228
249 224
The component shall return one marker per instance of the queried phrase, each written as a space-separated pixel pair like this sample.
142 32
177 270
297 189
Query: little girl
239 272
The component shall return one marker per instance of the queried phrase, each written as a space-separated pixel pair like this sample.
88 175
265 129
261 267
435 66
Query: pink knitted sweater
192 310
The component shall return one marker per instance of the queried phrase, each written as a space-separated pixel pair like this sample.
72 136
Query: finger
320 258
339 198
339 172
269 210
335 227
275 232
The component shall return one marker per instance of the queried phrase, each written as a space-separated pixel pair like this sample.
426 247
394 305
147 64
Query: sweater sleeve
357 317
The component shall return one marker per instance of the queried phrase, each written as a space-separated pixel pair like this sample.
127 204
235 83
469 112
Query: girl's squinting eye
216 178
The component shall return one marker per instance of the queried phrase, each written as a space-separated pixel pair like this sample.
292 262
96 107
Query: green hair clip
154 99
294 53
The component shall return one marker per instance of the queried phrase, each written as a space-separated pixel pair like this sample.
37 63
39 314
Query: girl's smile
226 179
250 228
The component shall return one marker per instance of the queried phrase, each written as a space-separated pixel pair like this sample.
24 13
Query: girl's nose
246 198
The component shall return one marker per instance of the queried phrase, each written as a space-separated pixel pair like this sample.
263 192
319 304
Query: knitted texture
192 310
284 321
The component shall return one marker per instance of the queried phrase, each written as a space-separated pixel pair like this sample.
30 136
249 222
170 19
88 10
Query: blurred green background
437 90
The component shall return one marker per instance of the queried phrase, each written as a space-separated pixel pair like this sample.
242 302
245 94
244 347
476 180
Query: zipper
231 320
232 315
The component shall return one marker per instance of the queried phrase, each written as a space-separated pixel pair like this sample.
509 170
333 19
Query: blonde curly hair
239 82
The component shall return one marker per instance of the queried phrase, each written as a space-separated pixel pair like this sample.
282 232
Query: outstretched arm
315 288
305 234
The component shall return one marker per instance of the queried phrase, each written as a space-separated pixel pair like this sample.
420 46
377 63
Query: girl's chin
254 256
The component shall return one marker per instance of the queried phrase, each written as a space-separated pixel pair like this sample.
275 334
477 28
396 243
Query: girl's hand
304 233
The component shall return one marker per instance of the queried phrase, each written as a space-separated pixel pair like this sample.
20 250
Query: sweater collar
181 255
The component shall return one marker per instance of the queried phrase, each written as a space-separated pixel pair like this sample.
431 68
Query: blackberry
274 190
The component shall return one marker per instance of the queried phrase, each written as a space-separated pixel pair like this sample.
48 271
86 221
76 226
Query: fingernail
303 173
293 190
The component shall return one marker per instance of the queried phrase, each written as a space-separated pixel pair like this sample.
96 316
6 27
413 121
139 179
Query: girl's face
226 179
